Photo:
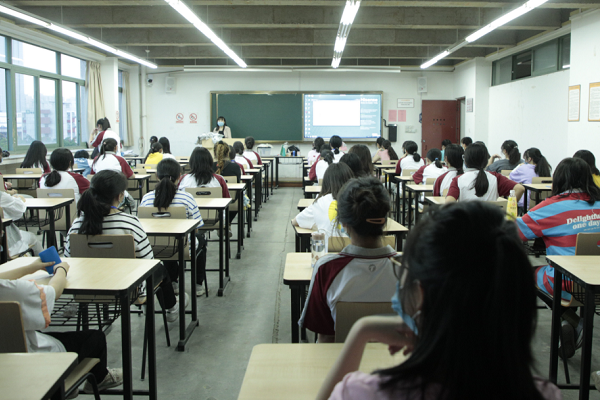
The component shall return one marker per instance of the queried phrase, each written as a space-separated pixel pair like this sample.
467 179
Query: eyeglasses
400 270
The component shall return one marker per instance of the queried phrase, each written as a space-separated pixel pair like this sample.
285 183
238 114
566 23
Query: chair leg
564 359
99 316
159 294
144 352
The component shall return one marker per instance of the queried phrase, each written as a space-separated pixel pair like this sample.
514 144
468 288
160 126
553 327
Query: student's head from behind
82 154
445 143
249 142
574 175
335 142
168 172
363 206
103 124
318 143
476 156
60 160
326 155
534 156
153 139
510 149
238 147
334 179
166 146
35 156
434 156
441 276
107 189
411 148
364 155
354 163
454 156
387 145
222 153
465 142
156 148
589 158
221 122
379 142
200 160
231 152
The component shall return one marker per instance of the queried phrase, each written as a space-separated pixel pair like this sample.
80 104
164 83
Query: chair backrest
147 166
543 195
408 172
2 188
389 162
154 212
430 181
232 179
28 171
12 334
347 313
445 192
337 243
59 214
102 246
506 172
501 204
28 183
587 244
541 179
210 217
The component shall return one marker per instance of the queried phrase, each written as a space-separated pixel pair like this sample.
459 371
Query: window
565 52
522 65
122 113
3 110
70 116
48 111
71 66
83 110
30 56
25 108
502 71
545 58
2 49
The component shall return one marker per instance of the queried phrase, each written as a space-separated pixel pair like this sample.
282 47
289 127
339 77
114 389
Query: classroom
330 199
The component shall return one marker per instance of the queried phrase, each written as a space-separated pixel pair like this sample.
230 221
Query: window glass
71 66
503 71
48 110
25 100
522 65
3 51
566 52
545 57
122 116
70 117
3 118
83 109
31 56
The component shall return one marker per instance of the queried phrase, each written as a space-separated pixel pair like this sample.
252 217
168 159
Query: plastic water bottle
511 208
317 247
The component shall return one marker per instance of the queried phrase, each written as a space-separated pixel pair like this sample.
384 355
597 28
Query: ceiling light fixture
192 18
74 35
435 59
344 30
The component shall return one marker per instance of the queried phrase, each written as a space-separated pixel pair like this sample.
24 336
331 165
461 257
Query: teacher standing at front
222 128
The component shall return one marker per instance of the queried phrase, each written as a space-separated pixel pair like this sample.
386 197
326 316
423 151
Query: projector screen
350 116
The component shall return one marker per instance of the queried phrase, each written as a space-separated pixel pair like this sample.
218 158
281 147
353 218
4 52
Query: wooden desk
297 371
538 189
179 229
78 170
441 200
297 274
401 180
29 376
141 178
304 203
583 270
238 189
258 193
276 158
416 189
50 206
311 191
117 277
221 205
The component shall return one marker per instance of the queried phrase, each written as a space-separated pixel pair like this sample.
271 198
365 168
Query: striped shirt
181 199
119 224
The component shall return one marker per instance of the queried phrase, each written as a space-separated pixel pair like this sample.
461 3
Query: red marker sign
179 118
193 118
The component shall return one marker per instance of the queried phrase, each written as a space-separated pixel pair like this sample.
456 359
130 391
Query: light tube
68 32
348 16
23 16
189 15
435 59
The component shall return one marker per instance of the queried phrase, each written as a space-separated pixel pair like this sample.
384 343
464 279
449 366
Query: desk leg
277 172
297 242
181 249
126 341
227 242
68 217
223 254
240 237
555 328
271 164
586 349
147 185
417 195
397 201
409 202
52 231
295 291
257 196
267 183
140 189
403 203
151 332
525 202
302 303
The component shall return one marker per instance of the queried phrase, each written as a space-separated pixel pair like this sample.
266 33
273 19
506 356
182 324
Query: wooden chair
133 186
347 313
12 340
27 186
506 172
2 188
543 195
430 181
337 243
60 221
408 172
389 162
210 217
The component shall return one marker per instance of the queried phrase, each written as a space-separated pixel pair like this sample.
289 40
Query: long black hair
353 162
362 202
166 146
476 156
95 203
542 168
61 160
153 139
334 179
455 354
249 142
512 150
156 148
467 141
387 145
327 156
109 144
364 154
79 154
335 142
411 148
318 143
238 147
36 155
167 172
435 155
445 143
454 157
201 164
589 158
574 174
379 141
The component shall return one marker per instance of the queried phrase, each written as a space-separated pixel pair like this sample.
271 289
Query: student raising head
316 150
166 148
433 169
201 173
353 162
107 159
364 155
335 142
452 354
512 159
589 158
454 161
240 158
61 178
166 195
322 211
478 184
251 154
535 166
363 270
411 160
36 157
156 154
98 214
466 142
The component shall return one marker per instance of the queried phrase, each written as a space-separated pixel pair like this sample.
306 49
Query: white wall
472 80
533 113
193 96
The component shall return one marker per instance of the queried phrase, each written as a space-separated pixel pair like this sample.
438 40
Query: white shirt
461 187
318 215
320 169
13 208
242 161
250 155
337 157
447 180
189 181
68 180
109 133
312 157
431 171
112 162
168 155
408 162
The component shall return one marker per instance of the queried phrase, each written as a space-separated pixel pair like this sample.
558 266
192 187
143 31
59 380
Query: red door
440 121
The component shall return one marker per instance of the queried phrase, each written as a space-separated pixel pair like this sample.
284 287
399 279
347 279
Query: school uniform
312 156
558 220
462 188
408 162
189 181
356 274
85 164
168 155
426 172
337 157
230 169
154 158
253 156
113 162
443 181
68 180
238 164
107 134
312 173
18 240
596 179
384 155
44 167
502 165
320 169
321 214
524 174
246 163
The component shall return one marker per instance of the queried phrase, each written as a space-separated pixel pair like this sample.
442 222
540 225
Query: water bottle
511 208
317 247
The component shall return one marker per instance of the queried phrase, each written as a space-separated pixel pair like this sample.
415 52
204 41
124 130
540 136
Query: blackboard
262 115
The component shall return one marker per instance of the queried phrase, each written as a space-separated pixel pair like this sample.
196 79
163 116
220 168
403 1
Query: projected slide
350 116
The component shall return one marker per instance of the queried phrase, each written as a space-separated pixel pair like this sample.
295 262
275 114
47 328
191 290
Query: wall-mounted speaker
422 85
392 133
170 84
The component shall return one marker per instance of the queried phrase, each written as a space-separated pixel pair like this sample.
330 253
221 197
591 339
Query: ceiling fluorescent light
344 30
23 16
435 59
68 32
506 18
189 15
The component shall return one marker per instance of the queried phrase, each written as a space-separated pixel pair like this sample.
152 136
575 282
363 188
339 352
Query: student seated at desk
251 154
589 158
452 355
201 173
321 166
166 148
454 161
335 143
312 173
466 142
232 156
156 154
224 166
166 195
411 159
313 155
512 158
108 159
18 240
323 211
433 168
535 165
62 178
153 139
362 271
386 152
82 160
36 157
572 209
477 184
239 158
37 305
353 162
364 155
97 214
445 143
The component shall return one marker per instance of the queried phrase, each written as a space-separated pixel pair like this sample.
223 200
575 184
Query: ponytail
61 160
481 184
53 178
222 153
335 142
434 156
476 157
411 148
327 156
542 167
387 145
168 172
512 150
96 202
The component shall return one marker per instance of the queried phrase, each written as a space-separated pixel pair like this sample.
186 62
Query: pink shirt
384 155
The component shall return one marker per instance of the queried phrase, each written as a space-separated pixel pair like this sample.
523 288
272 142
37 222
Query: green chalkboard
265 116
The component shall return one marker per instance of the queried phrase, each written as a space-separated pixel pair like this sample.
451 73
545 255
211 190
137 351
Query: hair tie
436 159
376 221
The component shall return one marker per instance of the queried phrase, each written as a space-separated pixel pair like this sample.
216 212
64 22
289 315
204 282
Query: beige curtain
128 139
93 84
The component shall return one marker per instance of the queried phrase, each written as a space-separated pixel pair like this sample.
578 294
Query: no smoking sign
193 118
179 118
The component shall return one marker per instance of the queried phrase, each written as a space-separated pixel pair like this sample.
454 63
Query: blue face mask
397 306
220 123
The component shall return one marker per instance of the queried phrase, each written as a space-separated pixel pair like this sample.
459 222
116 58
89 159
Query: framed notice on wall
594 105
574 100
